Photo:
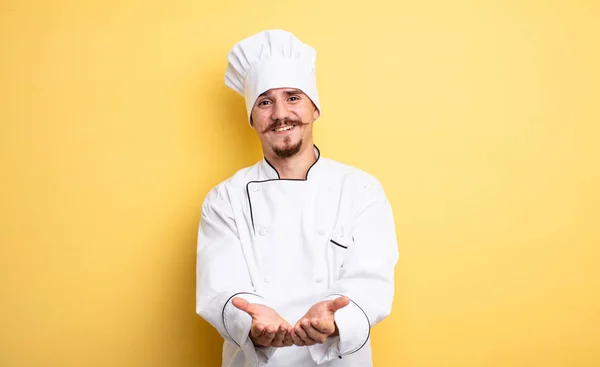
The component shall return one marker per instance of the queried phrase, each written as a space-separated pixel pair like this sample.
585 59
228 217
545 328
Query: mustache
281 122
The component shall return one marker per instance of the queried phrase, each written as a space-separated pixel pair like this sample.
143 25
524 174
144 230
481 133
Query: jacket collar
271 173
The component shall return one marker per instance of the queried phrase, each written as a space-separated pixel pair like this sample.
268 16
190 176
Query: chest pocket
341 249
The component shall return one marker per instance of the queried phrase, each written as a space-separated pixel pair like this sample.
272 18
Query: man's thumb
241 304
339 302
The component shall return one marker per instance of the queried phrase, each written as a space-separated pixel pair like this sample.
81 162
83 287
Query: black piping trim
223 314
277 179
296 179
274 169
250 201
337 244
369 322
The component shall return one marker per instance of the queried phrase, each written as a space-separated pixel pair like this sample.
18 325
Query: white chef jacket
288 244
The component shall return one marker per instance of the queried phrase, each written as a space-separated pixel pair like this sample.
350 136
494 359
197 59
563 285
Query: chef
296 253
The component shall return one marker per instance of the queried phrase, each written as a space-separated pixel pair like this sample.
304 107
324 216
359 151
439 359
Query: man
296 254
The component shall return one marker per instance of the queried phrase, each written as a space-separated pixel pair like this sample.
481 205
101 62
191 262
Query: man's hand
268 328
318 323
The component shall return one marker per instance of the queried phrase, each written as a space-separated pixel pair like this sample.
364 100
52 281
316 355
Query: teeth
283 128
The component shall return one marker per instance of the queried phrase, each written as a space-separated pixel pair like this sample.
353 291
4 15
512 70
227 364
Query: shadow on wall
224 143
223 137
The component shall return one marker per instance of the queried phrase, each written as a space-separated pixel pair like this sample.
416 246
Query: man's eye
263 103
294 98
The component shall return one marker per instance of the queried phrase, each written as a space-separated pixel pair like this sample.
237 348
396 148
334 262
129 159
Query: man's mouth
283 128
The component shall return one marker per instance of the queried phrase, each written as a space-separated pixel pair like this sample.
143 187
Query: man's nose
280 112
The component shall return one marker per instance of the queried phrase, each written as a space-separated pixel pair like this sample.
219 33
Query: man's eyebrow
294 91
288 92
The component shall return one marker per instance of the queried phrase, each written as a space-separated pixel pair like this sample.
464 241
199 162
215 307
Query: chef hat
271 59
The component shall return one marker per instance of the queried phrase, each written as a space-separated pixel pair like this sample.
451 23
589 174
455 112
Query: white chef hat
271 59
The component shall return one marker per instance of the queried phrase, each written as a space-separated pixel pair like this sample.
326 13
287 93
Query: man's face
283 119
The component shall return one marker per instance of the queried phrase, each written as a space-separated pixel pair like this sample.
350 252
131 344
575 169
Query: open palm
268 328
318 323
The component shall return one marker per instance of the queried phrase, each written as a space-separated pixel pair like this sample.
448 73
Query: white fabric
271 241
271 59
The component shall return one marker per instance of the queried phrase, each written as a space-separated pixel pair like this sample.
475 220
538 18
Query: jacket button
262 232
319 279
267 279
254 187
321 232
331 188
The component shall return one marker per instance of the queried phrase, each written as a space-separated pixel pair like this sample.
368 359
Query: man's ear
316 114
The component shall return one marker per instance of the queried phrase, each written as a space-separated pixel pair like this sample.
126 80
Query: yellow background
481 119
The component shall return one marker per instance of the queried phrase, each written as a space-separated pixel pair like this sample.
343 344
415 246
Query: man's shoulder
358 183
242 176
347 172
236 181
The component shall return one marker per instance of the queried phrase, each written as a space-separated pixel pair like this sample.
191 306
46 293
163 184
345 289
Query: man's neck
295 167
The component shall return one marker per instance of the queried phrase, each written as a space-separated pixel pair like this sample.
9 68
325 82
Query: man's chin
287 150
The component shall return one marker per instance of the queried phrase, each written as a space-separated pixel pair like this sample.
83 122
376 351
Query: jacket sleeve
367 275
222 274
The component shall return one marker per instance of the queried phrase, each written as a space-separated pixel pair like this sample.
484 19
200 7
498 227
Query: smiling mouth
283 128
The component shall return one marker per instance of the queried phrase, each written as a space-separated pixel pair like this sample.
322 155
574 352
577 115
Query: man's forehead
275 91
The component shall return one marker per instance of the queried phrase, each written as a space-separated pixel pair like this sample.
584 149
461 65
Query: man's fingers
303 335
268 335
313 333
279 336
338 303
288 341
322 327
297 339
257 330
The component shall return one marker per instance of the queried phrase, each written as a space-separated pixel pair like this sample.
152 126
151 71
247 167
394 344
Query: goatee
288 151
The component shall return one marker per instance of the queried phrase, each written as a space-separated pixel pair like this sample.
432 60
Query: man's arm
222 275
368 276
